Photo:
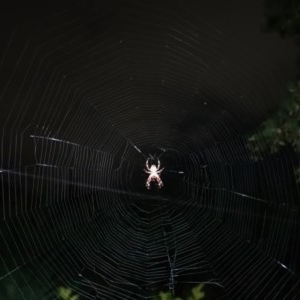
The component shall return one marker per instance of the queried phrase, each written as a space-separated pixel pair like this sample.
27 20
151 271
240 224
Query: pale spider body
154 173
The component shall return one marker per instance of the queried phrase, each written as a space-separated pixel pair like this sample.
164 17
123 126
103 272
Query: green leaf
165 296
65 293
197 292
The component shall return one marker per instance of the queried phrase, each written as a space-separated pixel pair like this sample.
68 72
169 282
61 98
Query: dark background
88 91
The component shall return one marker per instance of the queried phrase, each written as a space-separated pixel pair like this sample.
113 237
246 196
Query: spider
154 173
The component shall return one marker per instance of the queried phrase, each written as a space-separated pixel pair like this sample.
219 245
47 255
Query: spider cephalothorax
154 173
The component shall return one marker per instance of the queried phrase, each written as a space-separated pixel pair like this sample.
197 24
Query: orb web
86 98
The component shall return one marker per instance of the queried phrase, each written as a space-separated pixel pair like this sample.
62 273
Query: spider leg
159 181
147 164
159 171
158 164
148 183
